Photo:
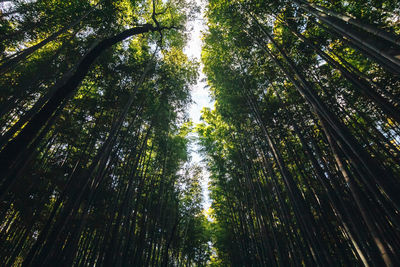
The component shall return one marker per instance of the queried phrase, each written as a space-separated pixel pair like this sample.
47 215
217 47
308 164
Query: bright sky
200 94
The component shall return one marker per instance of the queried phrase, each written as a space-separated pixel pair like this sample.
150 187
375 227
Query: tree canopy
302 145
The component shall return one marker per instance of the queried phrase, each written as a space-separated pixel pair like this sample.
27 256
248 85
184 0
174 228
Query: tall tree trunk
355 192
376 47
13 150
353 21
358 82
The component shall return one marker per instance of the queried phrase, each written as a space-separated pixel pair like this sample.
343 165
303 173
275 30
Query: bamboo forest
199 133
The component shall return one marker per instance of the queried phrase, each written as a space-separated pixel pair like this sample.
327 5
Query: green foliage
302 145
276 180
109 164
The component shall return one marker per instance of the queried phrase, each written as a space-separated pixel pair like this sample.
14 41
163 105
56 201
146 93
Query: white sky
200 94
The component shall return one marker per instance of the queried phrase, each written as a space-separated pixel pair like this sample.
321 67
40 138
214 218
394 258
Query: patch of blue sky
199 92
